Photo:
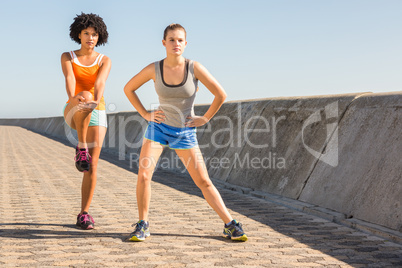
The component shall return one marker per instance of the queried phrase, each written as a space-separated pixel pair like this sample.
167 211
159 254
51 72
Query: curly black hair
84 21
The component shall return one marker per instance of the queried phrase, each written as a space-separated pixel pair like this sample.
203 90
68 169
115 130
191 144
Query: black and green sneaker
234 231
141 231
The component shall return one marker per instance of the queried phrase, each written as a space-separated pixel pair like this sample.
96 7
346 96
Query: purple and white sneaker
85 221
82 159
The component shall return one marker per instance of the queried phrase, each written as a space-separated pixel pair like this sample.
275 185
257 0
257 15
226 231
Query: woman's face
89 37
175 42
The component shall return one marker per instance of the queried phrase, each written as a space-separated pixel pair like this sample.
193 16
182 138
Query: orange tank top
85 77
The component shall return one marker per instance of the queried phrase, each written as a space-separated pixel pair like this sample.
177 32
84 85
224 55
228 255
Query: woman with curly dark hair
85 72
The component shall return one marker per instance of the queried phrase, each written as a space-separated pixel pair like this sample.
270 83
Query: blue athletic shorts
174 137
98 118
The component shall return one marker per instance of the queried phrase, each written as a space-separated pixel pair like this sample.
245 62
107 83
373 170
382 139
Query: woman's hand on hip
196 121
155 116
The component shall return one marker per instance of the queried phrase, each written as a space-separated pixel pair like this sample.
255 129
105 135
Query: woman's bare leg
95 137
149 156
195 165
78 119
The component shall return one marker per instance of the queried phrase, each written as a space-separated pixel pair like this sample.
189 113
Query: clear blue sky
255 48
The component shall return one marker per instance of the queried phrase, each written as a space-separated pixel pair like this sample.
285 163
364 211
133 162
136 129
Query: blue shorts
174 137
98 118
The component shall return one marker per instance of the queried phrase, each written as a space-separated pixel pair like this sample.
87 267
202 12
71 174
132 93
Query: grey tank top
176 101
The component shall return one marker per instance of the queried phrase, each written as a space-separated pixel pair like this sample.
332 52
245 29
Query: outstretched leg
194 163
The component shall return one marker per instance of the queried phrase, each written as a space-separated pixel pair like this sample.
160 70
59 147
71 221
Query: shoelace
86 217
83 155
236 226
138 226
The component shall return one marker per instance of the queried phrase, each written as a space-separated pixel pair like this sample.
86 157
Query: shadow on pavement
35 231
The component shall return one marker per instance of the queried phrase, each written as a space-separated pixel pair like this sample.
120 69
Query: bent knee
86 95
68 117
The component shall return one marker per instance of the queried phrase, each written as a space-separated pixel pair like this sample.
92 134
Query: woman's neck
174 60
85 52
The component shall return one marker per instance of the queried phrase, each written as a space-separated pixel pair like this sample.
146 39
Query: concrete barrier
52 126
367 182
269 150
341 153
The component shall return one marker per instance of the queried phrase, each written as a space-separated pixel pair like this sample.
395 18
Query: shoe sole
89 227
136 239
242 238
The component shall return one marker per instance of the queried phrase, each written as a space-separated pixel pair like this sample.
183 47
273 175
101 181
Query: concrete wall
338 152
367 183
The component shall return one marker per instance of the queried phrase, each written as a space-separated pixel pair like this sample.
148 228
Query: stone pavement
40 197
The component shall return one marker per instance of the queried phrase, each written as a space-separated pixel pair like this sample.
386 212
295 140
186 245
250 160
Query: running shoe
234 231
82 159
85 221
141 231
